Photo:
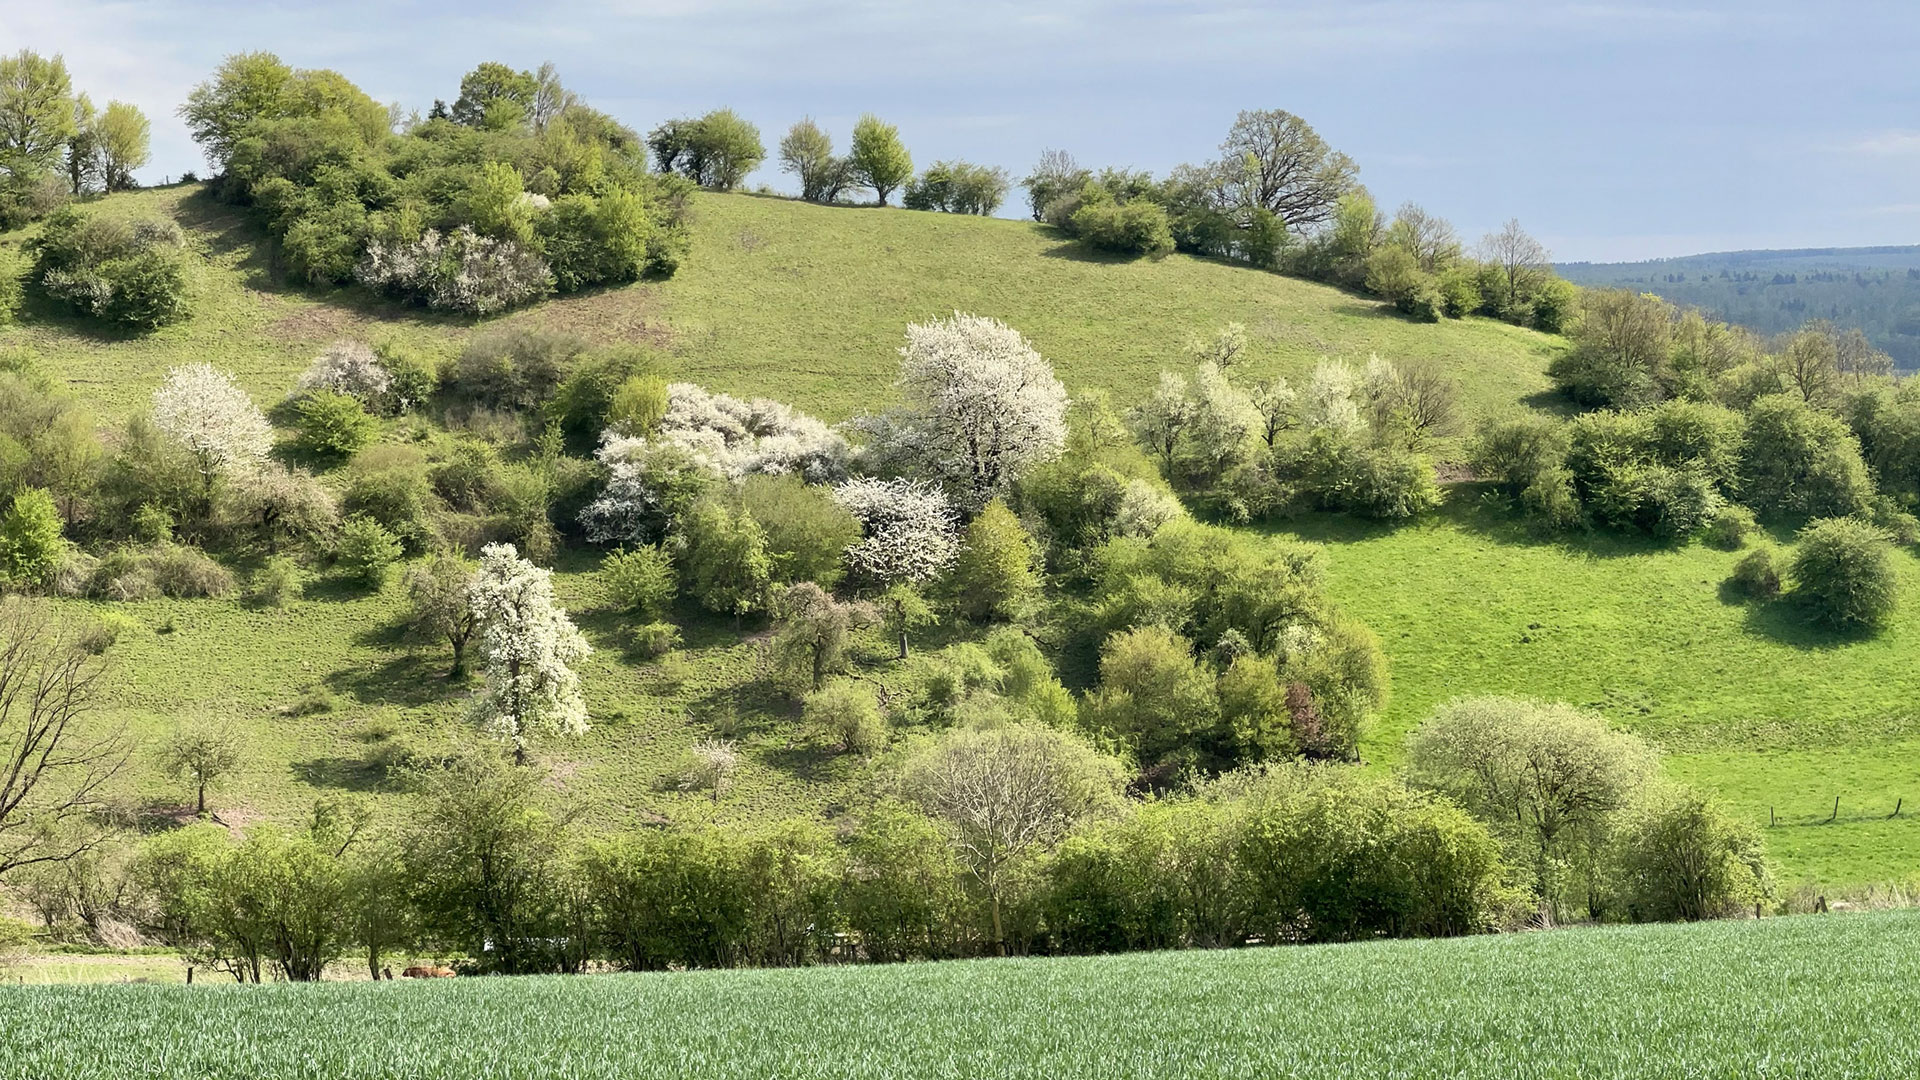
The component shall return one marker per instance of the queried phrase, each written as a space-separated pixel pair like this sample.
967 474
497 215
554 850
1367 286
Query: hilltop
807 304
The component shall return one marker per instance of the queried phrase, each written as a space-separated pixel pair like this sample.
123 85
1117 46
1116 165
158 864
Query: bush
30 540
332 424
997 573
1345 474
655 639
517 368
845 714
640 581
184 572
807 532
105 630
1136 227
1797 460
367 551
1843 572
460 271
276 584
724 556
1755 576
1516 452
1732 526
1677 856
133 274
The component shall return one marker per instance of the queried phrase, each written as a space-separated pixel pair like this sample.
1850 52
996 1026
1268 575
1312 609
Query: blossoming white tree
738 437
207 412
529 647
982 406
911 532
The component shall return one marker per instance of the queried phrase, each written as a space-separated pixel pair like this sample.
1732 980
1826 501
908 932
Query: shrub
1755 576
367 551
180 571
640 581
1137 227
276 584
1514 453
996 575
845 713
655 639
30 540
105 630
390 484
351 368
1677 856
1843 572
332 424
710 766
808 533
1153 694
517 368
1797 460
315 701
724 556
133 274
1732 526
460 271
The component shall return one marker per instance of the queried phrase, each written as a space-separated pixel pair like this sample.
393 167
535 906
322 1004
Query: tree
1843 572
202 756
83 148
807 152
1153 695
286 503
844 711
1520 261
1429 238
54 771
439 596
902 611
529 647
204 410
996 575
367 550
910 537
1679 857
36 115
1553 774
494 96
717 150
879 159
1055 177
1006 794
333 425
812 635
1164 421
982 406
1273 160
808 533
247 87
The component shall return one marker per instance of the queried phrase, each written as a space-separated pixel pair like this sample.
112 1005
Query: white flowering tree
649 483
1329 403
1164 421
1225 420
911 530
982 407
529 647
206 411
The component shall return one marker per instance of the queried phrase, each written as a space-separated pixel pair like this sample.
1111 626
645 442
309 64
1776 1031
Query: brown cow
435 972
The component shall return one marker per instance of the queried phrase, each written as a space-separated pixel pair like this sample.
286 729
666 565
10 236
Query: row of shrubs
485 865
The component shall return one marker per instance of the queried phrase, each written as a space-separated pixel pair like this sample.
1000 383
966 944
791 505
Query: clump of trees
518 190
55 145
878 161
134 274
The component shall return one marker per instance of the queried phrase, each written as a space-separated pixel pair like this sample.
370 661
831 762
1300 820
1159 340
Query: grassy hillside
807 303
801 302
1825 996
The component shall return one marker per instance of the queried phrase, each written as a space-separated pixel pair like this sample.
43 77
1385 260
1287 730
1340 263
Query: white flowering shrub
911 529
1329 402
203 409
1224 418
738 437
649 482
348 367
461 271
1144 508
529 647
981 407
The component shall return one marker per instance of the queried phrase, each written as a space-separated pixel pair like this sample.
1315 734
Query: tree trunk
903 644
200 807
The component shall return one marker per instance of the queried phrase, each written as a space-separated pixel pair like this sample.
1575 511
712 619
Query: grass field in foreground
1814 996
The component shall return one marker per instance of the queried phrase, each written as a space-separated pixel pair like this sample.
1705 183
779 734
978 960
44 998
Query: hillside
1876 289
807 304
1704 999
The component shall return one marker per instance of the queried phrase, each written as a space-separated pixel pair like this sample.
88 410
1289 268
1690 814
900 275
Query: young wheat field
1811 996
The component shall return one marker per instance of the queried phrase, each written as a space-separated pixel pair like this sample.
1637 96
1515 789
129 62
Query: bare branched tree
54 770
1273 160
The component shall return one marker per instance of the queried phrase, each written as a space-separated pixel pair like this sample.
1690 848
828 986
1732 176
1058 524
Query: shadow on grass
409 679
1079 251
1788 622
341 773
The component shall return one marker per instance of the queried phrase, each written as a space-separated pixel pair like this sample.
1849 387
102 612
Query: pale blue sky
1612 130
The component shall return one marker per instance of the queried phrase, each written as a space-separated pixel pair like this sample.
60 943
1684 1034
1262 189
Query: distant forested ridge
1876 289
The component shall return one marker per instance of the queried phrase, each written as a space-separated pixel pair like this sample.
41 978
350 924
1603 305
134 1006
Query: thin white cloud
1888 144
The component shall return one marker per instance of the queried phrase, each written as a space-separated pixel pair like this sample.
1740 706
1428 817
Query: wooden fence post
1836 811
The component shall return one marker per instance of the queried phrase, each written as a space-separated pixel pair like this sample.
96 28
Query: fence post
1897 803
1771 820
1836 811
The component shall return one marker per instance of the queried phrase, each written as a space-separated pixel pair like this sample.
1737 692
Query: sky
1612 131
